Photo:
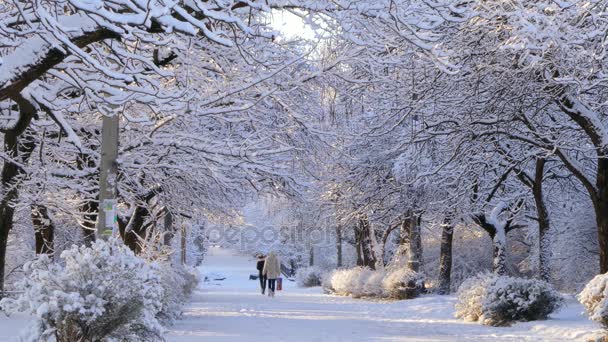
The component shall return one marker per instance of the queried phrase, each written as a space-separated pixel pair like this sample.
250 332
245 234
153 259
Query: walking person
272 271
261 276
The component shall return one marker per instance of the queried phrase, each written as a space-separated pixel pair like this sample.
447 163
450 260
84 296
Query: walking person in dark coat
260 267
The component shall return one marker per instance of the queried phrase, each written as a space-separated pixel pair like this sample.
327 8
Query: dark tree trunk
445 257
544 224
404 239
414 261
10 177
183 245
498 234
44 230
367 250
339 246
168 233
359 246
311 259
601 211
415 247
598 191
499 265
136 230
89 210
6 224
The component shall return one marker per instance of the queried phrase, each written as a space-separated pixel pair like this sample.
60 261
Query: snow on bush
347 282
178 283
401 283
102 292
341 282
372 284
500 300
594 298
309 276
364 282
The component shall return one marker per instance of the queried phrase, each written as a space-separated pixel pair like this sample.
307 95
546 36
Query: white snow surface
234 310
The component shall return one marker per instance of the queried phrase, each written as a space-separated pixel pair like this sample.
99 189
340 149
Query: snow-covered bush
309 276
341 282
99 293
401 283
500 300
178 284
372 284
364 282
178 281
354 282
594 298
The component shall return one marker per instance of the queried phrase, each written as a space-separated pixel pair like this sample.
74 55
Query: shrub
372 284
178 283
344 282
500 300
101 292
309 276
401 283
364 282
594 298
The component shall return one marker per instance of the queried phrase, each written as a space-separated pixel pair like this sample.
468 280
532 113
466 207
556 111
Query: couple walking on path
269 269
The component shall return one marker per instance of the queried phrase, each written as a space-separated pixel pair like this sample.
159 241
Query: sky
291 26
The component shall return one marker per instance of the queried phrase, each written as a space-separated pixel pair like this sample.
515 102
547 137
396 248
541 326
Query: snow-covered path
234 310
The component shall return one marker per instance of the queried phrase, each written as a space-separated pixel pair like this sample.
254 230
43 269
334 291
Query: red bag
279 284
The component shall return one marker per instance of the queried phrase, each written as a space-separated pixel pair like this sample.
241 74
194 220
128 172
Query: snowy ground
234 310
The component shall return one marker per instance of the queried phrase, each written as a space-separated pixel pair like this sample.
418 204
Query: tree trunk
135 229
601 211
404 242
414 261
359 246
599 193
311 258
544 224
44 230
415 247
168 233
6 224
367 250
9 177
339 246
445 258
498 234
499 248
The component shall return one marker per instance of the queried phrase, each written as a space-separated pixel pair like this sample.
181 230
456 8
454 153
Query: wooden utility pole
107 222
